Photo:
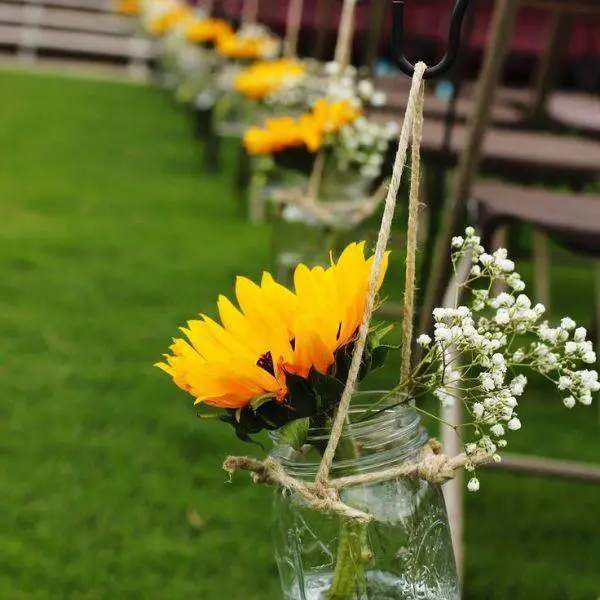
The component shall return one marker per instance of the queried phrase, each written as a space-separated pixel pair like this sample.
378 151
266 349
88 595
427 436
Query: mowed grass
110 238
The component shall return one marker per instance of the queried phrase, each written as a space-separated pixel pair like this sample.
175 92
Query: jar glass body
404 553
336 185
234 113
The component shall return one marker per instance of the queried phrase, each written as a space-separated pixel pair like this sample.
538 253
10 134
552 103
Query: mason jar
298 236
404 553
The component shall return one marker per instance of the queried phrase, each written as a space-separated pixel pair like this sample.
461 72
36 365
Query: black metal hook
458 13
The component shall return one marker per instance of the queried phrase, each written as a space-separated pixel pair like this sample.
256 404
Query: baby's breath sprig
478 353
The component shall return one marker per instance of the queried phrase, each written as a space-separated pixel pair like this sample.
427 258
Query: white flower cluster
363 145
258 31
473 354
329 82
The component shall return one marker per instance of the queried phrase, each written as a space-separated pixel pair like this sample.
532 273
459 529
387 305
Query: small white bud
514 424
473 485
567 323
571 347
497 430
589 357
424 340
378 98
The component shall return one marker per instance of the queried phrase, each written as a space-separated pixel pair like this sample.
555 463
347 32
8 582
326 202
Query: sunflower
247 47
128 7
273 335
264 78
332 116
227 365
332 302
207 31
278 133
168 20
309 130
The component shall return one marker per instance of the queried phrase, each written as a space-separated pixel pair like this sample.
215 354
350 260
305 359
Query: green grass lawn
110 487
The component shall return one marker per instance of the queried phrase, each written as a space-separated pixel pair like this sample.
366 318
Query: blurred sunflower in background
309 130
263 78
207 31
247 47
130 8
167 20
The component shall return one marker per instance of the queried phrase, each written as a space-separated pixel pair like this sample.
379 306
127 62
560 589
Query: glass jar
404 553
234 113
298 237
336 185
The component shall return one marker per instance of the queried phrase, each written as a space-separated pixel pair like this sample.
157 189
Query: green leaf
258 401
301 396
327 389
244 422
378 332
295 433
379 356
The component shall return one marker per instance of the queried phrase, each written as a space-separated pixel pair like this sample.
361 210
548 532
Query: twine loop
338 214
433 466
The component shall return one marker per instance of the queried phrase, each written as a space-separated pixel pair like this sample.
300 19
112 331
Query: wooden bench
503 114
525 156
566 111
572 219
47 17
579 112
90 6
73 29
74 44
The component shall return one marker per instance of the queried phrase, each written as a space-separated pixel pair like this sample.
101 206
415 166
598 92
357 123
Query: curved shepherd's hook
456 20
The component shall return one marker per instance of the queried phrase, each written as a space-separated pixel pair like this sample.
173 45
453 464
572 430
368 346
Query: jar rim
394 434
391 410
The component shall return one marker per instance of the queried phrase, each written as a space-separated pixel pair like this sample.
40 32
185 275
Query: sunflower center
265 362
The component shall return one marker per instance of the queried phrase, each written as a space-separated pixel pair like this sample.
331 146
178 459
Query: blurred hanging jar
199 63
404 553
306 234
234 111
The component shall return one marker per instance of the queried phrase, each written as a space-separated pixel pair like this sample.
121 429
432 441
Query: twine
293 26
433 466
209 6
414 106
250 12
336 214
343 49
316 177
411 242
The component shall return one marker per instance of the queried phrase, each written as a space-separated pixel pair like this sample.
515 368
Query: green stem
349 574
352 555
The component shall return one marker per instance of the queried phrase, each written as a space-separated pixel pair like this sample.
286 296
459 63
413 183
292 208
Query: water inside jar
380 585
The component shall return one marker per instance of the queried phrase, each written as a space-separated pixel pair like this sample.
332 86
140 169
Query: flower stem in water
349 580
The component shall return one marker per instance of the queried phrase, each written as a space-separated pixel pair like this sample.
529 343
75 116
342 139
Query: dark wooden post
550 64
378 13
322 22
